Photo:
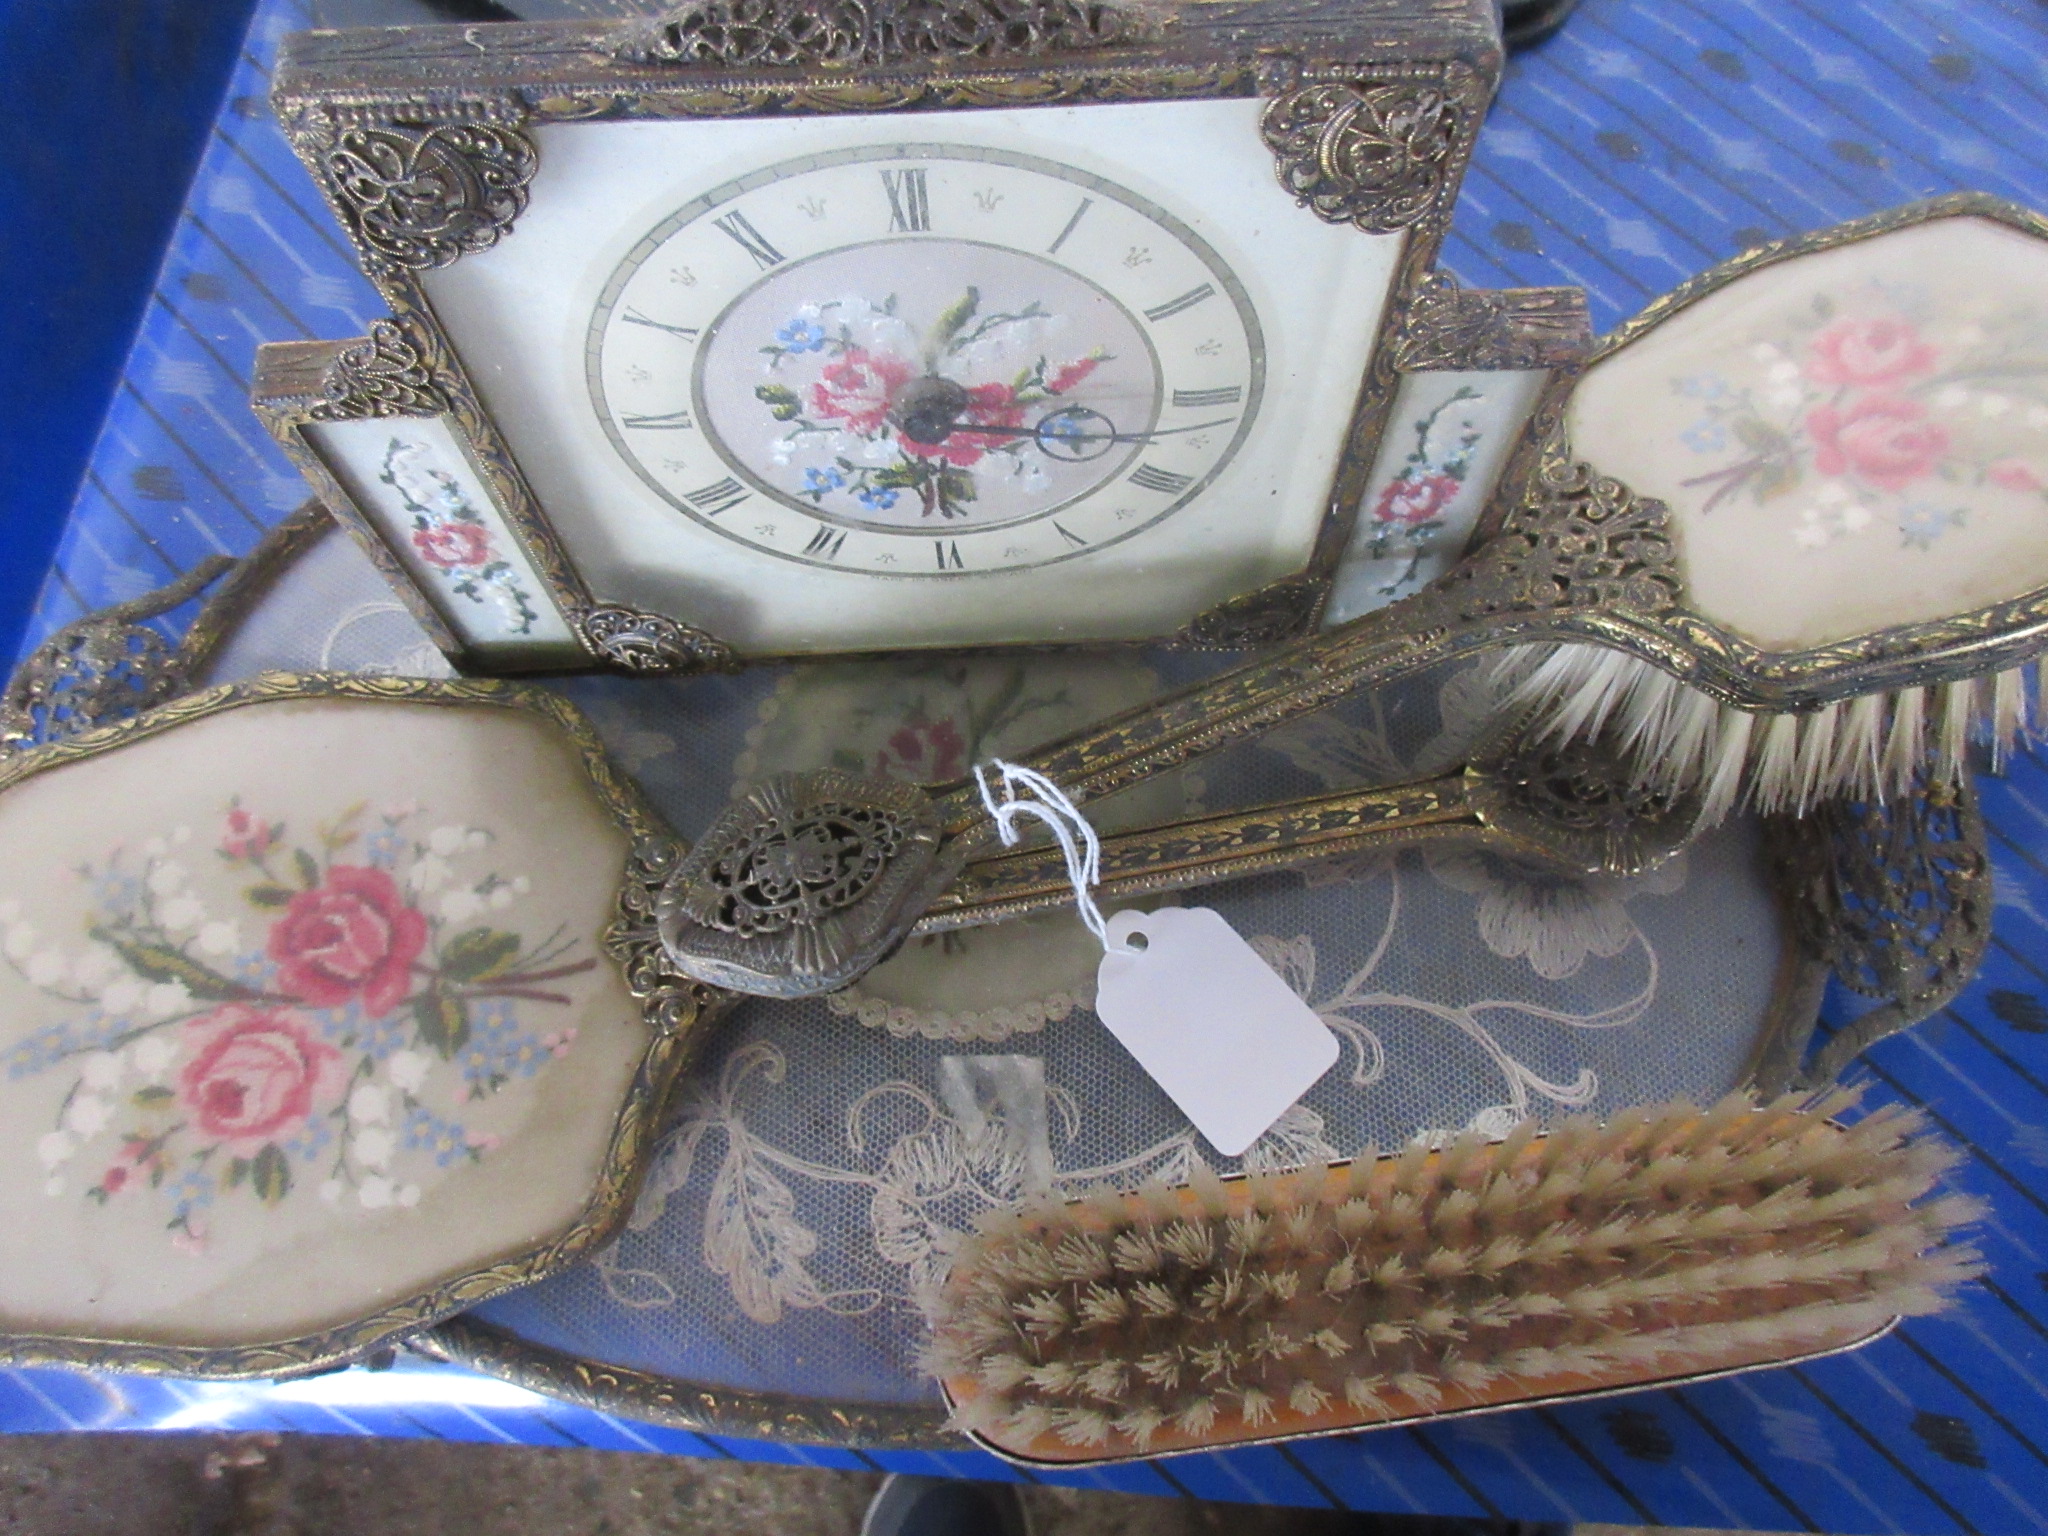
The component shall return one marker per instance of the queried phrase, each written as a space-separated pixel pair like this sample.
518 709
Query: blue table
1649 140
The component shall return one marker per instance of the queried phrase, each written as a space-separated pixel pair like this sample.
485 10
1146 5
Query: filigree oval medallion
803 883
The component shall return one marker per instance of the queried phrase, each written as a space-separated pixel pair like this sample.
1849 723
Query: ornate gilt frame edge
674 1009
480 1346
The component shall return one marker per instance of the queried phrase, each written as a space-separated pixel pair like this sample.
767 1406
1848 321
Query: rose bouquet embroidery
451 537
1408 513
325 1034
900 415
1876 416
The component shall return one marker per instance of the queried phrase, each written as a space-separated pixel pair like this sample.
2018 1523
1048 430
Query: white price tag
1210 1021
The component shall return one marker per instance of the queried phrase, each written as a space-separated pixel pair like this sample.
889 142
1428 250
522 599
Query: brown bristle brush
1670 1242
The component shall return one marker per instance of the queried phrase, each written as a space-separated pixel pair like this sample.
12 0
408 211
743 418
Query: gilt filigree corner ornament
747 34
803 883
381 375
670 1000
648 645
417 197
1580 539
1282 610
1449 326
1376 155
108 666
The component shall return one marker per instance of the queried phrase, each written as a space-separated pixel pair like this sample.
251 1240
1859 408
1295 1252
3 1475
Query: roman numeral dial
910 208
914 361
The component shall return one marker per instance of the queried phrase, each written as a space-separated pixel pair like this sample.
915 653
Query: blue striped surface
1649 140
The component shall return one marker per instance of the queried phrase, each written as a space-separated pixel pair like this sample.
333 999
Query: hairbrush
1672 1242
1679 605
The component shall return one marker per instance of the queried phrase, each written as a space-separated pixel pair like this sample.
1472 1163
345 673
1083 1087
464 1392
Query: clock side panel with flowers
325 1035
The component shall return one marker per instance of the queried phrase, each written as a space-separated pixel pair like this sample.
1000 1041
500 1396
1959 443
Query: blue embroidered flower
1705 436
382 1038
426 1131
191 1190
801 335
1921 523
499 1049
44 1049
876 501
385 845
818 481
313 1139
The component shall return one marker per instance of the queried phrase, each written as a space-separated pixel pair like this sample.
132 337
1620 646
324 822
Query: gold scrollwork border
676 1010
710 1407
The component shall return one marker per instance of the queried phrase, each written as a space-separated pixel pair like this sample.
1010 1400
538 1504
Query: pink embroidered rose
923 752
352 936
1868 352
255 1073
1067 376
988 405
245 837
453 544
858 387
2013 475
1410 501
1884 440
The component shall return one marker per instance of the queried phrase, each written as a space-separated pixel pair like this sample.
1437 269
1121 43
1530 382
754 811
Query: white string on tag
1045 801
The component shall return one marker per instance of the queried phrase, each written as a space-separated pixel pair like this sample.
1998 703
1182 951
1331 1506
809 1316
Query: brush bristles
1667 1239
1679 739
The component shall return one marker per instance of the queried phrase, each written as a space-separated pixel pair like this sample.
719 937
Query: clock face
925 360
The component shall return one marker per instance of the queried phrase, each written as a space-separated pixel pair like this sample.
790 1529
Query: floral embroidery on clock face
925 360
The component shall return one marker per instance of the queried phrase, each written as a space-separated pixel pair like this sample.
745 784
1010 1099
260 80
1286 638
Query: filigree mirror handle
1894 899
102 668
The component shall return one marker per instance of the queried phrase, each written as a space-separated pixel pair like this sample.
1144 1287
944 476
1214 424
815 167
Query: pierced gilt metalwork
1365 153
803 883
108 666
650 645
746 34
1452 327
417 198
1265 617
381 375
669 1000
1895 900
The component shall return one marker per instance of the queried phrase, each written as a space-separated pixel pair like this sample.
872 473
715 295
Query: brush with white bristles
1868 748
1671 1241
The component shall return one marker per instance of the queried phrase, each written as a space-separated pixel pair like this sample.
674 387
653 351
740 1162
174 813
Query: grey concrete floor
266 1485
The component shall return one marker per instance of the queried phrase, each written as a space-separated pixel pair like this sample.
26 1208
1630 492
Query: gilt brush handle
1237 705
1203 850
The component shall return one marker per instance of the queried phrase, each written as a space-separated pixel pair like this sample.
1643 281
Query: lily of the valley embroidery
324 1033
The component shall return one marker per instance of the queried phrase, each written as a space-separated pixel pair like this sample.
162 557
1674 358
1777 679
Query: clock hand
928 410
1042 434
